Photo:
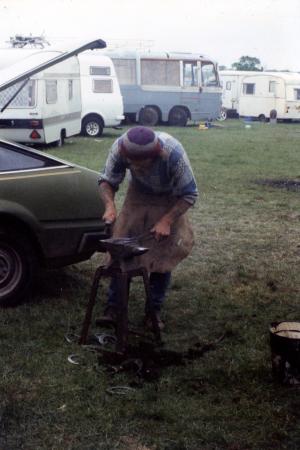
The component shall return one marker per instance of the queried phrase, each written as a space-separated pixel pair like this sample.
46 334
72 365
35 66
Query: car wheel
223 115
178 117
17 266
262 118
92 126
148 116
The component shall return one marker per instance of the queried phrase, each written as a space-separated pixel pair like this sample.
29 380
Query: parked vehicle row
262 95
80 94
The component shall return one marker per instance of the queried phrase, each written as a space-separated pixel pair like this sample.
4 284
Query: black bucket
285 348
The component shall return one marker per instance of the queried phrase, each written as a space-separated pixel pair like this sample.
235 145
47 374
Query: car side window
11 159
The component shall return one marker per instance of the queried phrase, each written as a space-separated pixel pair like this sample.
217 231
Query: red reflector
35 135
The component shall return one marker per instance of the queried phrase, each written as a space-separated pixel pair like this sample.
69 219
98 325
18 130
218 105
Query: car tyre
148 116
17 267
178 117
92 126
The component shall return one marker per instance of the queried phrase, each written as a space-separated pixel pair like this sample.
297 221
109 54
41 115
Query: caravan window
160 72
228 85
126 70
51 91
25 98
209 76
297 94
190 73
272 86
249 88
70 85
103 86
97 70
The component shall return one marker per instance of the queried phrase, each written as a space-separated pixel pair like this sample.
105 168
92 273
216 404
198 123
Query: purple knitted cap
139 143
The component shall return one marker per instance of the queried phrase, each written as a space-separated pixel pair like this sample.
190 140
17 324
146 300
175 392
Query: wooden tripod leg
150 305
90 306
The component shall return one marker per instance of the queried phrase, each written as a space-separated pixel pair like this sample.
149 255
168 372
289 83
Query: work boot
148 321
109 316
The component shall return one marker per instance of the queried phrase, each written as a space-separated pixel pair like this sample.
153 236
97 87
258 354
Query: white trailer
41 102
261 94
102 103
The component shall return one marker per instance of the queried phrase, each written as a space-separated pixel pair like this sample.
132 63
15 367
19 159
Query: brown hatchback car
50 214
50 210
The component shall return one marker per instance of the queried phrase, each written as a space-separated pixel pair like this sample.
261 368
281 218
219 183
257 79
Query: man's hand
110 214
162 229
107 195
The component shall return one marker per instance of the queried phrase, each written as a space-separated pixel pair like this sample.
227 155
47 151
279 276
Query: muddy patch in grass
146 361
281 183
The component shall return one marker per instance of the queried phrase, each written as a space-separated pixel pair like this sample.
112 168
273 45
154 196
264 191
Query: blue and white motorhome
167 87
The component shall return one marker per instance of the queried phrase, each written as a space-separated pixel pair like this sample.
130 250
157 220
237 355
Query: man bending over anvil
161 189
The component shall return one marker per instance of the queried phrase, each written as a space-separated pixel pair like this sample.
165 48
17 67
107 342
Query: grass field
242 275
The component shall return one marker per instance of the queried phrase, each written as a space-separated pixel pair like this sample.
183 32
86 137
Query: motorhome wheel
178 117
148 116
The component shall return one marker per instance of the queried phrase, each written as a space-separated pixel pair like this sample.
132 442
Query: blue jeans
159 283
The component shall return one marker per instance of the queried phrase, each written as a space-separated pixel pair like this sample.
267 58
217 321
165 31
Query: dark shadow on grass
290 185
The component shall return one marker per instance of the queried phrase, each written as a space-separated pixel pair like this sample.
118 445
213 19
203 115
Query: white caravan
45 105
102 103
261 94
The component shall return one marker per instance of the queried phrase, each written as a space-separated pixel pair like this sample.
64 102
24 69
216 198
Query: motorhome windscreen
26 98
209 75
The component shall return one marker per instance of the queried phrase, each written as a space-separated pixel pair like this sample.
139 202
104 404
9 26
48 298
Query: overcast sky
222 29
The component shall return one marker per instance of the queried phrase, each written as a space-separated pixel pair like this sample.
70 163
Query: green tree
248 63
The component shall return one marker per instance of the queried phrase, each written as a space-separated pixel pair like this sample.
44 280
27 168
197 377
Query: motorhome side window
228 85
209 75
190 73
157 72
70 86
126 70
25 98
51 91
249 88
297 94
103 86
98 70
